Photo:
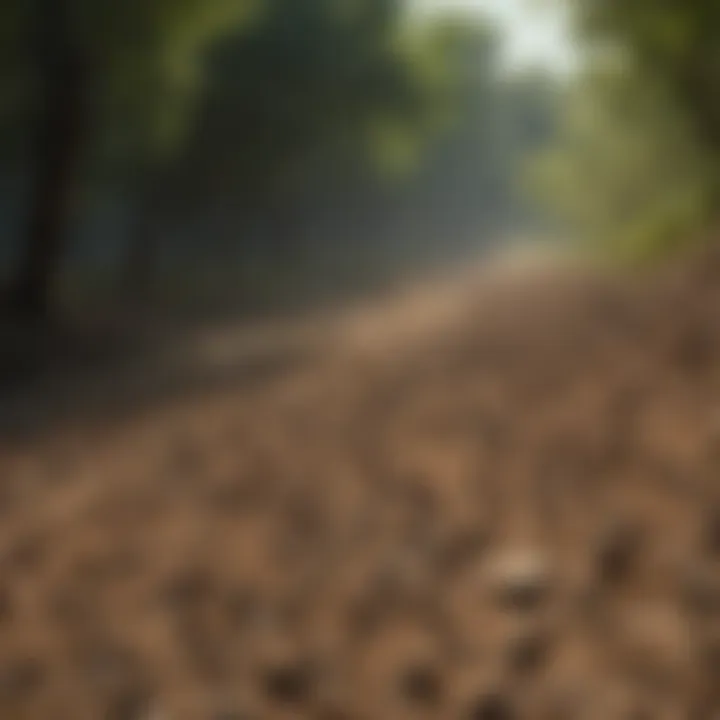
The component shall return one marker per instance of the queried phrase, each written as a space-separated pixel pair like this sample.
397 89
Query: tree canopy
224 129
635 168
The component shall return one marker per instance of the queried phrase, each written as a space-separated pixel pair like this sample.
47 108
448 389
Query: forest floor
494 497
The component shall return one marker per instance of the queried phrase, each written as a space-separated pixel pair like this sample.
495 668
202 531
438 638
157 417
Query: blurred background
421 277
247 155
175 161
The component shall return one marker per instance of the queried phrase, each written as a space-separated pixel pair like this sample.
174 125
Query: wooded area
233 152
488 492
239 147
634 169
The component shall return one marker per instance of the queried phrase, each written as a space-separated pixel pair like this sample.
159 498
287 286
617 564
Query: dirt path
482 500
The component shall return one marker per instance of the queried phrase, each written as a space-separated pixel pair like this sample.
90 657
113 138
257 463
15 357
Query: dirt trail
491 499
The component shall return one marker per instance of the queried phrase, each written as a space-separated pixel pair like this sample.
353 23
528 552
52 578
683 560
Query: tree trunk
61 116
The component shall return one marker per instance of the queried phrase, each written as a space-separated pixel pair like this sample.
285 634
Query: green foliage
145 68
309 82
148 59
675 40
627 174
269 131
637 170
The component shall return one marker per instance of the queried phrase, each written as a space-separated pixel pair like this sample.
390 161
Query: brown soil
497 499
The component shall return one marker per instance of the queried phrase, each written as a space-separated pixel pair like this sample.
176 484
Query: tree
673 40
636 168
330 128
311 80
326 137
627 174
314 95
128 66
62 72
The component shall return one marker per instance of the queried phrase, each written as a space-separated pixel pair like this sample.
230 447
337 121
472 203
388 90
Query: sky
534 36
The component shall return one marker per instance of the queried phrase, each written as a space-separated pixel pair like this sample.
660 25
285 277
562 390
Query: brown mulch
505 509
